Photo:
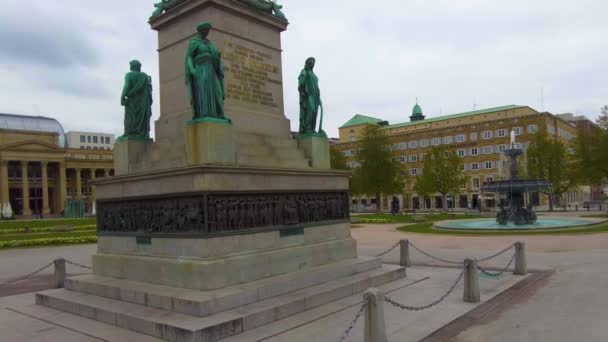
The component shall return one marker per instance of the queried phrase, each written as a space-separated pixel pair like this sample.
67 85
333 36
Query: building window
89 139
95 140
422 156
488 165
475 183
414 172
551 130
402 146
88 147
83 139
424 143
518 130
488 149
82 147
474 151
402 159
487 135
436 142
460 138
413 144
95 147
532 129
108 140
501 148
489 179
413 158
473 136
501 133
475 166
448 140
462 153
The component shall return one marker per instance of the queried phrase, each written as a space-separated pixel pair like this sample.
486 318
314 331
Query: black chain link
353 322
78 265
497 274
388 251
428 306
434 257
28 275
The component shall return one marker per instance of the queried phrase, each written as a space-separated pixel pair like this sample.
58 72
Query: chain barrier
354 322
28 275
434 257
428 306
78 265
497 274
497 254
388 251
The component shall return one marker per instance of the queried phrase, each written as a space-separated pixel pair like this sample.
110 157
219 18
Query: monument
224 223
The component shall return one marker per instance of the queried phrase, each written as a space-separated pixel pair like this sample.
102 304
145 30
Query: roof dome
33 123
417 111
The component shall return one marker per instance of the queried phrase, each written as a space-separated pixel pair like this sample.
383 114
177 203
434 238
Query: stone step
174 326
204 303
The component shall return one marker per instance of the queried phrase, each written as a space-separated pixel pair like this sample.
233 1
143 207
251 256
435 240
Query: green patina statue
137 100
204 71
163 6
267 6
310 99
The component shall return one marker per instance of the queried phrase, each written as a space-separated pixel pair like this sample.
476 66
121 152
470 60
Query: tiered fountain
513 213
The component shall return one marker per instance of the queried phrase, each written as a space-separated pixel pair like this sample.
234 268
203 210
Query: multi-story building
90 141
479 137
40 172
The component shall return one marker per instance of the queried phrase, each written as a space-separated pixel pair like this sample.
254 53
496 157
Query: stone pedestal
210 141
316 148
128 154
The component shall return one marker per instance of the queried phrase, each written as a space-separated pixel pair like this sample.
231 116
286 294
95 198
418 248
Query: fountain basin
542 223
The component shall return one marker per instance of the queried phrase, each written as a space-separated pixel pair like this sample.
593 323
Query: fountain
514 190
517 216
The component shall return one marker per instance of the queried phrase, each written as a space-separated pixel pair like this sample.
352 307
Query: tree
550 159
379 172
337 159
592 156
602 120
442 173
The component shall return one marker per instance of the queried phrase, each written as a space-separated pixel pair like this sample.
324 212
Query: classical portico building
40 173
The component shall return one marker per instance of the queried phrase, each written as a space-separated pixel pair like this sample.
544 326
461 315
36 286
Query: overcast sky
67 59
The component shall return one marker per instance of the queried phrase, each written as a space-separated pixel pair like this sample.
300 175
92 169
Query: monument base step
204 303
174 326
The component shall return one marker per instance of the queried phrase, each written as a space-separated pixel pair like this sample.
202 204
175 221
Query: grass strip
55 241
46 223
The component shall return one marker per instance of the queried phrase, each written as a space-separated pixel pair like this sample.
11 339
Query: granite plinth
316 148
128 154
210 141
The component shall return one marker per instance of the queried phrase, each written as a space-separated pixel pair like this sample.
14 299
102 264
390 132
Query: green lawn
47 233
427 228
386 218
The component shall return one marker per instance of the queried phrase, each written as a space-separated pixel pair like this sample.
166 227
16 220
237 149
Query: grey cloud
40 39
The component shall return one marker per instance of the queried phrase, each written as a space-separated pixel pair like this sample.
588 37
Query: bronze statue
310 99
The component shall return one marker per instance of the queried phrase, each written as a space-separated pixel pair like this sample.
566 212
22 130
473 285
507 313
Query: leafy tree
550 159
602 120
379 172
337 159
592 156
442 173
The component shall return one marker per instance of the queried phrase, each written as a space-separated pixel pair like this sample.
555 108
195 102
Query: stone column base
316 148
128 153
210 141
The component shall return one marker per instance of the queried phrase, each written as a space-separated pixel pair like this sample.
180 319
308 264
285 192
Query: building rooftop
32 123
456 116
361 120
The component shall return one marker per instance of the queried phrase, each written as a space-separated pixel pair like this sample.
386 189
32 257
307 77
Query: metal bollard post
471 282
59 276
405 253
375 329
521 267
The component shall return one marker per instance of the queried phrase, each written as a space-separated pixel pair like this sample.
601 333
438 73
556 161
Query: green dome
417 111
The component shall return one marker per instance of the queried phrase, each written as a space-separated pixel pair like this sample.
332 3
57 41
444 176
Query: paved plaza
568 307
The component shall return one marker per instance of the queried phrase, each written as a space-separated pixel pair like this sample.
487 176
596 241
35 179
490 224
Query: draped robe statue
204 72
310 98
137 100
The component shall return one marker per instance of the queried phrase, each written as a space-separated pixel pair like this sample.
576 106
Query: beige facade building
90 140
479 137
39 172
